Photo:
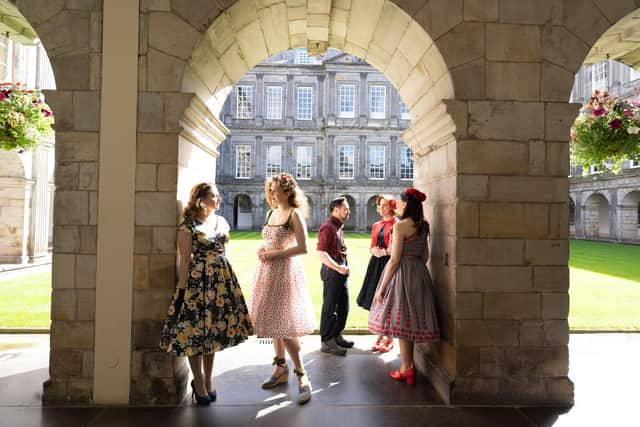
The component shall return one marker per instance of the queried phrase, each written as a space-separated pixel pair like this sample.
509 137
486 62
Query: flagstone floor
348 391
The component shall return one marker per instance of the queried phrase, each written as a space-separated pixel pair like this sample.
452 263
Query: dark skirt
371 279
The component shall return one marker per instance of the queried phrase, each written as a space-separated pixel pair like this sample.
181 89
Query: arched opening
351 224
630 216
596 217
242 213
572 217
372 212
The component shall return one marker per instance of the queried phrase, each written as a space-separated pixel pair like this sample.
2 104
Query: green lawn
25 302
604 292
604 288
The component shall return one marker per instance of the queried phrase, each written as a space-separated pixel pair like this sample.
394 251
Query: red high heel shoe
409 375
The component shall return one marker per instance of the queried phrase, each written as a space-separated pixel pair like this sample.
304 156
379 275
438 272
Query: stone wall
607 205
71 32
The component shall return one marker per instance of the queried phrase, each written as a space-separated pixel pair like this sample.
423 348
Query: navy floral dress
213 314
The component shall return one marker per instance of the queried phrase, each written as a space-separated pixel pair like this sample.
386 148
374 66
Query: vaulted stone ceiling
621 42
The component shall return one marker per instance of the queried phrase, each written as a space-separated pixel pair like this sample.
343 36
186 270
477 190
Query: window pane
346 161
302 57
274 102
244 104
404 111
274 159
346 100
406 163
243 161
376 161
303 161
304 107
377 101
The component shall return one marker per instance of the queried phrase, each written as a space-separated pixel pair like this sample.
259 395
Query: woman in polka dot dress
280 304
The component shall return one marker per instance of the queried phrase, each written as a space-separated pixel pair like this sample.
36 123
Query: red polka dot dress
280 304
407 310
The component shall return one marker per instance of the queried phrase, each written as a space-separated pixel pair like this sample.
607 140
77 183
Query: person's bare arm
300 229
425 253
394 261
330 262
184 254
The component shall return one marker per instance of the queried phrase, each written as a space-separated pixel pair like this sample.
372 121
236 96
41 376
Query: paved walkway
351 391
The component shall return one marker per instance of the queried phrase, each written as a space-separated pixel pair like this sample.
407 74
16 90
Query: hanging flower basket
606 132
25 120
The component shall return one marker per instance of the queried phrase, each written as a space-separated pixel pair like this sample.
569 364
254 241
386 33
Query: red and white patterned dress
280 304
407 310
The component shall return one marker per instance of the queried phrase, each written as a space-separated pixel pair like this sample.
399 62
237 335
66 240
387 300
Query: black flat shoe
199 400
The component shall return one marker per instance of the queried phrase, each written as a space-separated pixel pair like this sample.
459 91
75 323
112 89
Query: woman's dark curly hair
413 210
195 208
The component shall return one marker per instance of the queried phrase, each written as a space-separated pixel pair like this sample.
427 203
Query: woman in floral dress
280 303
208 312
403 306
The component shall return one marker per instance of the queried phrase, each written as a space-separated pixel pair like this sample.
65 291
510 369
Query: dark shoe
200 400
331 347
343 343
213 395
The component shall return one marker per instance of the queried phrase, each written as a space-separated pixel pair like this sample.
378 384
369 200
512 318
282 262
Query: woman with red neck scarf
380 254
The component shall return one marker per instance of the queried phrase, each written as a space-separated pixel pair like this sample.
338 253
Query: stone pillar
76 104
393 153
258 101
320 103
41 208
579 218
290 108
27 218
331 98
364 105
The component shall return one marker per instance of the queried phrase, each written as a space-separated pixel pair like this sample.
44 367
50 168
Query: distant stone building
603 205
26 178
335 123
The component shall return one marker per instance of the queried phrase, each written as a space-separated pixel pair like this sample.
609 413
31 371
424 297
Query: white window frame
400 167
599 76
346 175
267 160
382 93
241 111
634 164
273 96
404 111
304 153
243 163
374 150
346 91
595 169
301 113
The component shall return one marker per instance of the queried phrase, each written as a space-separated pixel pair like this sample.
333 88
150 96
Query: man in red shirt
334 273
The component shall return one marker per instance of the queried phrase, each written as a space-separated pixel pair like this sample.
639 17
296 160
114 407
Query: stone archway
242 213
597 217
572 218
372 211
497 195
629 212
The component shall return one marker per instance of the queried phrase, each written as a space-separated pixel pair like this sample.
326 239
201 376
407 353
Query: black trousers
335 303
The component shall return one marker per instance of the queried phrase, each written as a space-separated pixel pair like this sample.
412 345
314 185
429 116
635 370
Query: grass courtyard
604 289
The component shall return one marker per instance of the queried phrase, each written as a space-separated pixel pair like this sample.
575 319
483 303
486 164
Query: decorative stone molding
202 128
